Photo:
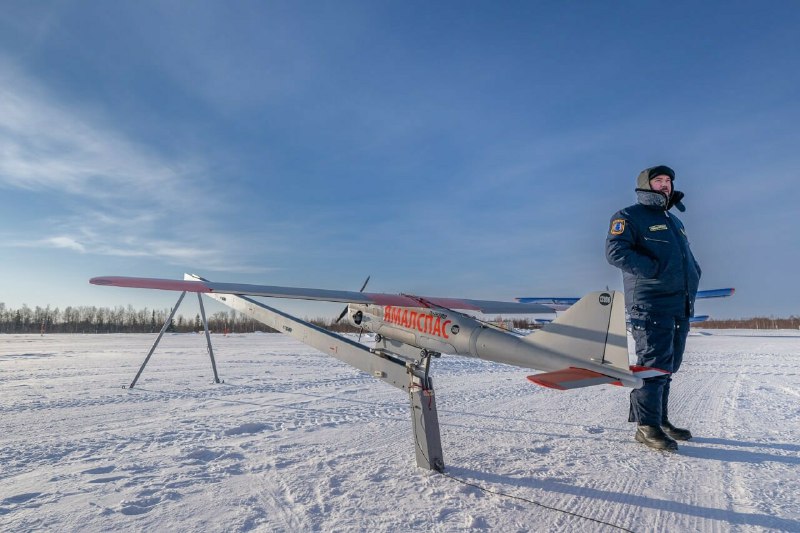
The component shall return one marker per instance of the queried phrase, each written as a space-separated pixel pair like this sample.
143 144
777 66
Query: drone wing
715 293
562 304
553 304
199 285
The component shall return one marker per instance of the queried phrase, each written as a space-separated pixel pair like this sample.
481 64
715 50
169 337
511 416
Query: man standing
660 276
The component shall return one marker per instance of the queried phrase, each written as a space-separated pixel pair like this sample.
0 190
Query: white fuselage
451 332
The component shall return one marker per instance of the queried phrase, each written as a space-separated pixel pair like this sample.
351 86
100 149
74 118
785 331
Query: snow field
294 440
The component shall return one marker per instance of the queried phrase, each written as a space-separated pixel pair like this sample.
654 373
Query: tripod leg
208 337
161 334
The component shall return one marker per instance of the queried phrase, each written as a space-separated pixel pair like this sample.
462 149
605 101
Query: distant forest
90 319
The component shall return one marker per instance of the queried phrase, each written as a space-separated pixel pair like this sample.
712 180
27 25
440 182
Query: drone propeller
344 311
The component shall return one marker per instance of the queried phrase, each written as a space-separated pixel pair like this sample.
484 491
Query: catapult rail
397 372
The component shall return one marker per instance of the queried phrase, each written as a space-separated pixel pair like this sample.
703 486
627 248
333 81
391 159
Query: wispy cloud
107 194
175 252
62 241
44 145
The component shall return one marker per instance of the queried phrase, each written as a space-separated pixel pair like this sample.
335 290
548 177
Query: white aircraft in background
562 304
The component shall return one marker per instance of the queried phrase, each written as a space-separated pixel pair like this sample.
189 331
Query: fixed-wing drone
586 345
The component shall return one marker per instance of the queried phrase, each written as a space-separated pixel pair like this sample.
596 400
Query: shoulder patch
659 227
617 226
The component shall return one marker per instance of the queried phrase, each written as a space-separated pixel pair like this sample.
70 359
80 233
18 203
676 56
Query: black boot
676 433
654 437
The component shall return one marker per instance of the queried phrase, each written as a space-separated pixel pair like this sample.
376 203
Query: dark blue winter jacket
649 245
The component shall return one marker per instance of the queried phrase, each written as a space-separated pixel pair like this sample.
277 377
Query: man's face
661 183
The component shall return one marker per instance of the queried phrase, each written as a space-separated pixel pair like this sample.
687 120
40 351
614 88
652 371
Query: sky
472 149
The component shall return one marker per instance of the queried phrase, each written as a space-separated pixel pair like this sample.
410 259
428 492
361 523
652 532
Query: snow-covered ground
294 440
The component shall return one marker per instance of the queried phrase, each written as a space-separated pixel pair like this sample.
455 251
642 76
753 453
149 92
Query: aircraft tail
592 335
591 330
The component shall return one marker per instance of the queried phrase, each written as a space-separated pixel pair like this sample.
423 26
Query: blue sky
473 149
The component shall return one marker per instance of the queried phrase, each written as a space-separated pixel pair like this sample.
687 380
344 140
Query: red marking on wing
453 303
403 300
397 300
568 376
637 369
152 283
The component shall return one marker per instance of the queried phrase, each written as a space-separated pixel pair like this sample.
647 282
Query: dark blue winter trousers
660 341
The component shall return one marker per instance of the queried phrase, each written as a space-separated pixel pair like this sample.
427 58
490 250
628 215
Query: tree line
91 319
792 322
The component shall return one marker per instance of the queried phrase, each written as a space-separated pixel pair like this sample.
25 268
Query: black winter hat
661 169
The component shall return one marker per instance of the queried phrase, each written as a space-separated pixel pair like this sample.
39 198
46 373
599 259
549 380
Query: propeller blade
344 311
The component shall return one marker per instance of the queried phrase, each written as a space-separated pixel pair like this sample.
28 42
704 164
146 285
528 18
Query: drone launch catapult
585 346
410 374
